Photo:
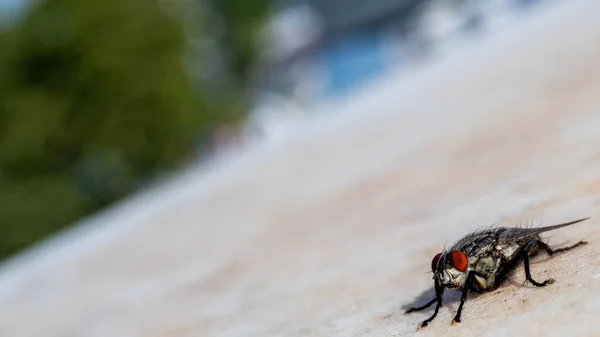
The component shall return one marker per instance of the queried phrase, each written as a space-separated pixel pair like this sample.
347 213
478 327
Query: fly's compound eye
458 260
435 261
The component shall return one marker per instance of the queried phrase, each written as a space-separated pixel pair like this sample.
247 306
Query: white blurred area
305 67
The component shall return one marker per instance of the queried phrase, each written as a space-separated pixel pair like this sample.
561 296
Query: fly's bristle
529 224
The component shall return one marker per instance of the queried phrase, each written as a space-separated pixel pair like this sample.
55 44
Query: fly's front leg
426 322
438 297
525 254
463 297
427 305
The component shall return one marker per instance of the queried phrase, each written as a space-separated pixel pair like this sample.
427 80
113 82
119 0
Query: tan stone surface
332 232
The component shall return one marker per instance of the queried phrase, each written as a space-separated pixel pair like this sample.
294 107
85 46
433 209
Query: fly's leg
421 307
463 297
551 251
426 322
525 254
438 297
565 249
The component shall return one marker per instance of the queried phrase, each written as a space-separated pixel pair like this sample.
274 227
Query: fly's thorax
486 268
489 262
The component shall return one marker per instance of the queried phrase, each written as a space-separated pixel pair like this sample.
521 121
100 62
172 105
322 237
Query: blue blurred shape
11 10
350 60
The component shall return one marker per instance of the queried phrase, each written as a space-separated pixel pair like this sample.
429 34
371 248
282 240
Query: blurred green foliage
94 102
241 17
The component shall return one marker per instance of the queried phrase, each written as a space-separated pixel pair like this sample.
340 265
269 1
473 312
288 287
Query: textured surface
331 232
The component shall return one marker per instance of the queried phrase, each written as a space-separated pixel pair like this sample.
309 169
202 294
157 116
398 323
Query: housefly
483 260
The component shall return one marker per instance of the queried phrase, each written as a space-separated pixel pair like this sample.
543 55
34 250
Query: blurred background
100 99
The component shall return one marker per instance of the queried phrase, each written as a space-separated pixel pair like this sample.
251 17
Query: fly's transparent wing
514 234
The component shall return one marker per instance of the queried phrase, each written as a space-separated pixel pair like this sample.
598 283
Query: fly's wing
514 234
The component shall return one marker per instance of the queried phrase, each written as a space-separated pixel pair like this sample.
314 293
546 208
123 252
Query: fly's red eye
458 260
435 260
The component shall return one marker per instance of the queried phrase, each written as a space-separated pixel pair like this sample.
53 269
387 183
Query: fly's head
450 269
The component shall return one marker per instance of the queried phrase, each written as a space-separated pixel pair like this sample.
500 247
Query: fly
483 260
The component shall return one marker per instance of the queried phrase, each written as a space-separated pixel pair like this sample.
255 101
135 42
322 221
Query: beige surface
332 232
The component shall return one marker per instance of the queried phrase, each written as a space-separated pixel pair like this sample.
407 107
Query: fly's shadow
449 297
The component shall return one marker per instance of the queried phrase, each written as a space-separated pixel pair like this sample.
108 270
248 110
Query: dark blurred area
101 98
